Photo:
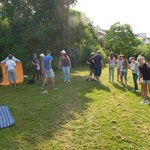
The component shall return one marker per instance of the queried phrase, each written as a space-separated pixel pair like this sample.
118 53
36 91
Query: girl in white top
119 64
111 62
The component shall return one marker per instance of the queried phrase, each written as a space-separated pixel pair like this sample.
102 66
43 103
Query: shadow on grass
39 117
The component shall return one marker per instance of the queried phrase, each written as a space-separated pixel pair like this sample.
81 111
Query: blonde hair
141 57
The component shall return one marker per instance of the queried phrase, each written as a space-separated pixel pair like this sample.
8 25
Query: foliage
121 40
35 26
144 50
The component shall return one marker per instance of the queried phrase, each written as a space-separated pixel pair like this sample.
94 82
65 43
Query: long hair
111 55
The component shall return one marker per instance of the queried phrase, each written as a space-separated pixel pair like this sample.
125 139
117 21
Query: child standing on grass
90 62
35 63
119 64
135 72
124 69
111 62
144 70
10 67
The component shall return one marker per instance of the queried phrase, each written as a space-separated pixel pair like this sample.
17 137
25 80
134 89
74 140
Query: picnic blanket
6 118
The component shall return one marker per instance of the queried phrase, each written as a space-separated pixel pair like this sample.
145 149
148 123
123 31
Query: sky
107 12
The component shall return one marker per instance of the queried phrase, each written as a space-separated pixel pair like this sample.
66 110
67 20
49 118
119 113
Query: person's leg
145 91
125 77
118 74
135 77
10 77
53 82
64 73
121 77
14 77
68 72
113 70
110 69
34 71
37 71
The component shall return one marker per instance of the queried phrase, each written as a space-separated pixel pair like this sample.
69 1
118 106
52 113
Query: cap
63 52
42 55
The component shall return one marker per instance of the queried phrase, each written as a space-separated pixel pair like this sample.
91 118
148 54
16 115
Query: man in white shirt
10 67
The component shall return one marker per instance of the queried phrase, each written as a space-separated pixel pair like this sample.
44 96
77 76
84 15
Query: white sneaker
64 80
137 91
68 80
148 103
144 102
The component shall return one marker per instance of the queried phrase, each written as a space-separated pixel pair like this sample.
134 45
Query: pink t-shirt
119 63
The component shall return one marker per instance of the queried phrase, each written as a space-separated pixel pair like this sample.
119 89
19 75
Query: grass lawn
78 116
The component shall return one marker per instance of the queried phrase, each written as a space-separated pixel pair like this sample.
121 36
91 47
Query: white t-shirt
10 64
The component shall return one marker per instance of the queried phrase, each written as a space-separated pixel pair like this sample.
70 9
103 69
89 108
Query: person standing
90 62
41 70
119 64
65 64
48 70
144 70
98 65
10 67
124 70
135 72
35 63
111 62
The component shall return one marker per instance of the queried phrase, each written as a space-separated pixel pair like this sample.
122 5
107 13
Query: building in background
143 37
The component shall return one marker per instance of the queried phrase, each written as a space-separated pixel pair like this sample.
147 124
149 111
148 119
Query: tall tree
121 40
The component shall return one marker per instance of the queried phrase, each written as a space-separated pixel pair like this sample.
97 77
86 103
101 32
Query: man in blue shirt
98 65
47 70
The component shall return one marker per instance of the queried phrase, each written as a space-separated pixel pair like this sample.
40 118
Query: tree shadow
38 117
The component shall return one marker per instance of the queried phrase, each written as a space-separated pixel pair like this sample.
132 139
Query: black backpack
31 81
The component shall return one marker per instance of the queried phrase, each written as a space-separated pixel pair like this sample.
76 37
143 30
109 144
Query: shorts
11 75
118 69
146 81
43 75
49 74
97 72
91 71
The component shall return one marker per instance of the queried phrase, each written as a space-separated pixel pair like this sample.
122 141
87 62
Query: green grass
78 116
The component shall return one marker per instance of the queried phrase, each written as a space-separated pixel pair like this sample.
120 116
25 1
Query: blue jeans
66 73
123 74
135 77
111 72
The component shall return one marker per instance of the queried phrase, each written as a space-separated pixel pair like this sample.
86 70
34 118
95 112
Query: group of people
44 67
140 71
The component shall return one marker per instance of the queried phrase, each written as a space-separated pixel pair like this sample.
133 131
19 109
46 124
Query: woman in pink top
119 64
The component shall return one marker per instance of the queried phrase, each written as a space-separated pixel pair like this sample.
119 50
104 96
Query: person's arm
4 61
50 61
15 59
69 61
102 64
148 65
140 74
108 60
59 62
43 69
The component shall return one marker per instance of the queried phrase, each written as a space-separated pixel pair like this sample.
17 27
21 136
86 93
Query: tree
121 40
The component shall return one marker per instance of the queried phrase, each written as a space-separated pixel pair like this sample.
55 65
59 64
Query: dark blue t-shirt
46 62
91 63
97 61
